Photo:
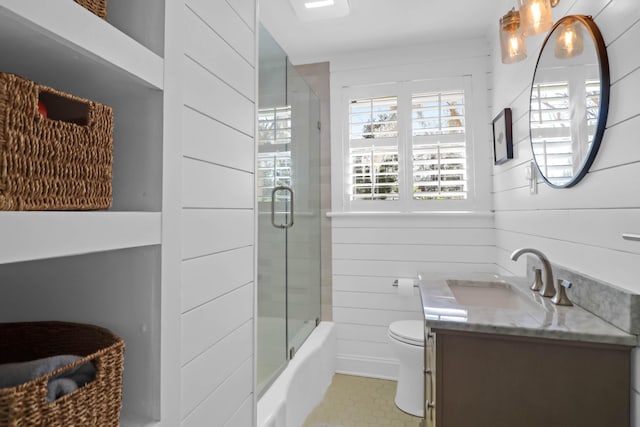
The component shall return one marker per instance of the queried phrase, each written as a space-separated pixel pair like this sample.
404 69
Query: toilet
407 343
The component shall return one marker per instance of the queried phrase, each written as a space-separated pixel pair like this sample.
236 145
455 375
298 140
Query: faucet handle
561 296
537 281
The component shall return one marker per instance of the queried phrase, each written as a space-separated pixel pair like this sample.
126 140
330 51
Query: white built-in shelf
130 420
97 267
28 236
61 44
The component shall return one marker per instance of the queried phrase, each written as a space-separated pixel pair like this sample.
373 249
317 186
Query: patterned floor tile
354 401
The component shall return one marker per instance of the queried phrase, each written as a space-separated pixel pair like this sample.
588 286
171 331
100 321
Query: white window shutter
373 149
274 152
439 146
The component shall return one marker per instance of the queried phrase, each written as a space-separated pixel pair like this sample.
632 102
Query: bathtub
301 386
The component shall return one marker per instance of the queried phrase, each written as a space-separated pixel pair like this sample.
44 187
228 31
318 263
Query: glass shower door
273 171
288 192
303 239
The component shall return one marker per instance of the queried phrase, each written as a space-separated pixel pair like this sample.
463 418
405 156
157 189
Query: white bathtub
301 386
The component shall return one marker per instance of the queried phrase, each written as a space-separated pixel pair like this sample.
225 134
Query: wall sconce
534 17
512 43
569 41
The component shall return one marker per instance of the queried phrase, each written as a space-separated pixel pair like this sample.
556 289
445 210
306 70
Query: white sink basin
487 294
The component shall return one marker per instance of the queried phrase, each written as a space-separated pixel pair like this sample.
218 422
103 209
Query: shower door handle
289 222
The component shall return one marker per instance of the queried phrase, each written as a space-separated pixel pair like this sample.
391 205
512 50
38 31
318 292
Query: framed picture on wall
502 137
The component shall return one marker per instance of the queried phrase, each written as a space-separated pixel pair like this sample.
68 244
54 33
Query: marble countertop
492 308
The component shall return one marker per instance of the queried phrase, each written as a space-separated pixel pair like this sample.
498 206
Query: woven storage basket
98 7
97 404
63 162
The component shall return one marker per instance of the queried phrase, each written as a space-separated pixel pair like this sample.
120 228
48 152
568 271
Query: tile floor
354 401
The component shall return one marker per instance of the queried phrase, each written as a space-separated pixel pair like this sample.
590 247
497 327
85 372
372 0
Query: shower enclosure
288 193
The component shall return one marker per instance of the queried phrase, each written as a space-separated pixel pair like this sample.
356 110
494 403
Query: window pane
438 113
373 118
373 148
274 169
274 125
439 171
551 129
374 174
439 146
274 137
593 107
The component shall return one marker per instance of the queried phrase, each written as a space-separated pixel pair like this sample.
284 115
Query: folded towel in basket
58 387
13 374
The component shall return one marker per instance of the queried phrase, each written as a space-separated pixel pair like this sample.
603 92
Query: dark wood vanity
490 380
518 360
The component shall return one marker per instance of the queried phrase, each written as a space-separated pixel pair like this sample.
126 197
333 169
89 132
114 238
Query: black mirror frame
605 89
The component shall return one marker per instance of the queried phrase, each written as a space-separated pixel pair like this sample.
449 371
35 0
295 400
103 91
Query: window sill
469 214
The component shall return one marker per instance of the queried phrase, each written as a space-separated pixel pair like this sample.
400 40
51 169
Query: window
439 146
373 148
407 146
593 106
555 142
274 152
551 128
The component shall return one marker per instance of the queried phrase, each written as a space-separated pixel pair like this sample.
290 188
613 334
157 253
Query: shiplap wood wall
370 251
217 349
580 228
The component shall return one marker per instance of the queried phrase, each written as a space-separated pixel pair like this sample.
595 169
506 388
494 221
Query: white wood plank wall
370 252
580 228
217 349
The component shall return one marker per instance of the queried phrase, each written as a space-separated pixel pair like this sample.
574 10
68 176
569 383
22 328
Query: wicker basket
98 7
63 162
97 404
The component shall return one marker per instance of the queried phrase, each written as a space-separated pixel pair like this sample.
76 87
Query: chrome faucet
548 289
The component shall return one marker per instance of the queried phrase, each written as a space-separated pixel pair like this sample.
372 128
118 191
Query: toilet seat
408 331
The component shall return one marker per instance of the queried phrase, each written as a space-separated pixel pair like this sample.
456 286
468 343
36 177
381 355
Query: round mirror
569 100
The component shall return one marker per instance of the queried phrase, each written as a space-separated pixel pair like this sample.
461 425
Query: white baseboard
372 367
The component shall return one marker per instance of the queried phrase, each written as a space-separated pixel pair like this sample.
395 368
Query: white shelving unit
39 37
31 236
99 267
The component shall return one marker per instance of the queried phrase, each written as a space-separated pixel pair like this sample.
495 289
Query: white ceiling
375 24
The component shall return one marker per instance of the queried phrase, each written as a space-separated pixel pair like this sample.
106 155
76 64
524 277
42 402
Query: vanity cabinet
504 381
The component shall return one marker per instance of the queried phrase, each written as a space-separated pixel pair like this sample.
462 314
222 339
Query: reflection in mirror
569 101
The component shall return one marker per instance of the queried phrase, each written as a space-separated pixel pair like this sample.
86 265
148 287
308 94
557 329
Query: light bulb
569 41
535 16
514 45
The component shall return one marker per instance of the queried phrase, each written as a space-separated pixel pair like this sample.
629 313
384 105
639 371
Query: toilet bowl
407 343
